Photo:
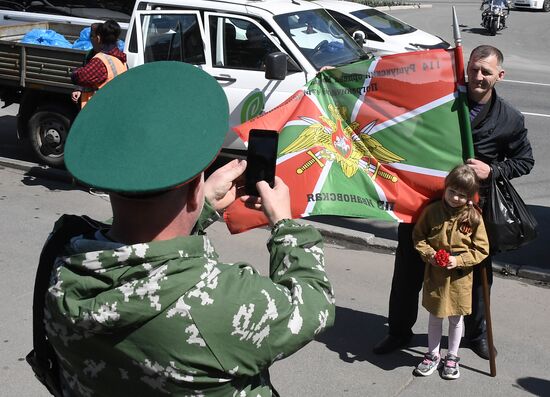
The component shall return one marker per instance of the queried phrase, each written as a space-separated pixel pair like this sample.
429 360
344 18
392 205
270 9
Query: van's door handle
226 78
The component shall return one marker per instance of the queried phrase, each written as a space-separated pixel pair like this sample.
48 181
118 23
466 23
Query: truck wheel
48 129
546 6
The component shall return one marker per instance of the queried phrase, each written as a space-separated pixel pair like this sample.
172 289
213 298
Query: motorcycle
494 15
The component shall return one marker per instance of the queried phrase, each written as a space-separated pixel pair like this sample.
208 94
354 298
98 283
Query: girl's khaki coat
448 292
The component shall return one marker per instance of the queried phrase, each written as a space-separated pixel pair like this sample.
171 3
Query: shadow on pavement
355 333
534 253
536 386
480 31
50 178
10 146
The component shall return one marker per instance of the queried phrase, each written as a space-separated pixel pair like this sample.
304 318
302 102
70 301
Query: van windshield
320 38
383 22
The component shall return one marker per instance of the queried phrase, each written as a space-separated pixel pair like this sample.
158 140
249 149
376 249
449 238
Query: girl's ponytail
470 218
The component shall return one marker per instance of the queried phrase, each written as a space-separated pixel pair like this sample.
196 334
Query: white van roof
274 7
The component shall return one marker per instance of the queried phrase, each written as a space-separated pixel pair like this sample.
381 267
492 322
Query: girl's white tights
435 324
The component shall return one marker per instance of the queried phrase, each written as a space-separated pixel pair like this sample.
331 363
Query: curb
353 239
39 171
349 238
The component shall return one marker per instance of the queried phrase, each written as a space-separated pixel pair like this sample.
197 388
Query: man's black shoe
391 343
481 348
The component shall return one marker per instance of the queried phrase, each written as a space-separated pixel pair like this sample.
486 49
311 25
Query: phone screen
261 159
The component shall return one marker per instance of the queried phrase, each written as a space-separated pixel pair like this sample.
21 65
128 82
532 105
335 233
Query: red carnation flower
442 258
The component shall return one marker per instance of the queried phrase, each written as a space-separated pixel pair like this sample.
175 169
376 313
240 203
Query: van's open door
238 49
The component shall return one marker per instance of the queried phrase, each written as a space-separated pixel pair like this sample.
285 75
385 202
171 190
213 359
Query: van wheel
546 6
48 129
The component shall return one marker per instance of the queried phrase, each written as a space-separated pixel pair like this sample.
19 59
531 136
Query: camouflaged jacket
166 318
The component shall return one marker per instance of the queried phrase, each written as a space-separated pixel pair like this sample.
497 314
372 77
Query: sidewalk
529 262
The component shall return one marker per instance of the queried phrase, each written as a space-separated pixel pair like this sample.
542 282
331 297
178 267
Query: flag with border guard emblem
373 139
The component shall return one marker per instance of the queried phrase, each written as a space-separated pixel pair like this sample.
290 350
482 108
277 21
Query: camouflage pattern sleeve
207 217
265 319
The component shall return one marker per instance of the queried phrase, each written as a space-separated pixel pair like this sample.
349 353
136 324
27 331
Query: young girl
450 237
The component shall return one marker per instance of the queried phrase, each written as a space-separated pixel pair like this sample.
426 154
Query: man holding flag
500 146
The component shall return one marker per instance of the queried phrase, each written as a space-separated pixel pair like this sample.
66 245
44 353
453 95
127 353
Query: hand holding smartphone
261 159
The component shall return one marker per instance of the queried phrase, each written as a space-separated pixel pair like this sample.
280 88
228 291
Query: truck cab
238 42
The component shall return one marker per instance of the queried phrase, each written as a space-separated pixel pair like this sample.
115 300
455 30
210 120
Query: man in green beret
144 307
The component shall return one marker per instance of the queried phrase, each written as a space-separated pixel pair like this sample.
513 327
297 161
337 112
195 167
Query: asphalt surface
528 262
338 363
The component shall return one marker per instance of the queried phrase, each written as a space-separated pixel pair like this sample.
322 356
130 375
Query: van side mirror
276 66
359 37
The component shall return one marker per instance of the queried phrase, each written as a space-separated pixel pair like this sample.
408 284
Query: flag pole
463 114
468 148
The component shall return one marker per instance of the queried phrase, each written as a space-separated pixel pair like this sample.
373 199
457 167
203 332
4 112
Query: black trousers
408 275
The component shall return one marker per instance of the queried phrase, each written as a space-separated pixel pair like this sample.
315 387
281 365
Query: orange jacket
114 67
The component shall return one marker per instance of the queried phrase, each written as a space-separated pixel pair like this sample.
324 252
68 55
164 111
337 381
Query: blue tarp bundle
84 43
51 38
46 37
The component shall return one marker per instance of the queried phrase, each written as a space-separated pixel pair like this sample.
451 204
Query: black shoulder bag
508 221
42 358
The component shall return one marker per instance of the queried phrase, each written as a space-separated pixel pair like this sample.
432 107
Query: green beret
152 128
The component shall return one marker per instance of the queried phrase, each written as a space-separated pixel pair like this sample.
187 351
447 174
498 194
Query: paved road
339 363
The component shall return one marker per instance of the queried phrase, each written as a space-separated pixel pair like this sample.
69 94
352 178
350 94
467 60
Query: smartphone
261 159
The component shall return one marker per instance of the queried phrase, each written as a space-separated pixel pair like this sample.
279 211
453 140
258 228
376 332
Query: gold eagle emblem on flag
341 142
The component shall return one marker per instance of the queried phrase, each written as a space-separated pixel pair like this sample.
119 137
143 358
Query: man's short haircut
109 31
485 51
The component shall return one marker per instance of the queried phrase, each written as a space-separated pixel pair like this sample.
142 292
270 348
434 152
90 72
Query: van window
383 22
238 43
133 46
172 38
320 38
352 26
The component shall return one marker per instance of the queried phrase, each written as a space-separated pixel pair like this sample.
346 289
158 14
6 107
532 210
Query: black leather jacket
500 139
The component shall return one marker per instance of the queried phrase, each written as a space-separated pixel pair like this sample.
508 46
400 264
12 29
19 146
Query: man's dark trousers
408 275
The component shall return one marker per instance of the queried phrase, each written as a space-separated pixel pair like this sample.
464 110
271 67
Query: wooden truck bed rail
37 66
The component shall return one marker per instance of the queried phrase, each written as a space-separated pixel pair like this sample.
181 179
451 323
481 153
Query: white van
543 5
384 34
260 52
